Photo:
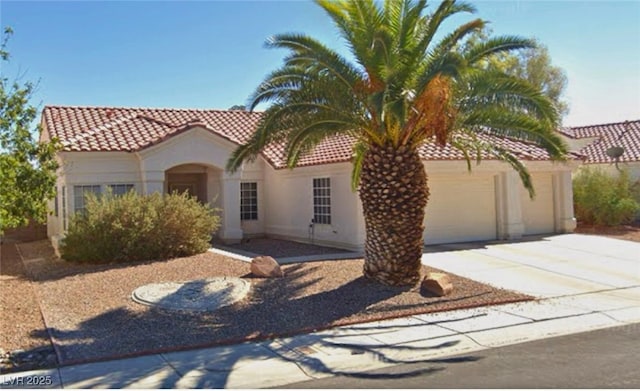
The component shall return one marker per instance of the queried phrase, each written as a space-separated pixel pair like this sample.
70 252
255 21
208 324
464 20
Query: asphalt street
608 358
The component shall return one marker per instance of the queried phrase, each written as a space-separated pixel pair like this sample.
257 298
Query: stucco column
152 181
214 193
231 230
563 202
509 205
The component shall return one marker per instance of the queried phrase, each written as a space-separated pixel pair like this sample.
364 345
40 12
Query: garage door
461 208
537 214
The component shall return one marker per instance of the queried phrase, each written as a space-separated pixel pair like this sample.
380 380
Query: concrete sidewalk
583 283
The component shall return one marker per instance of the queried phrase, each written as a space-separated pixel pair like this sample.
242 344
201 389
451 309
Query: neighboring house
594 141
164 150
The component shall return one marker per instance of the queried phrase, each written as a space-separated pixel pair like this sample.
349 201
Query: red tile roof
133 129
89 129
621 134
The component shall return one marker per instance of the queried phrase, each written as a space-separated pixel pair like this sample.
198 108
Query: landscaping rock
207 294
438 284
20 360
264 266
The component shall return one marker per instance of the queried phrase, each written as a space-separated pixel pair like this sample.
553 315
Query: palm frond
450 41
277 85
311 52
270 129
446 9
403 18
450 64
243 153
464 149
302 140
403 88
359 151
491 46
518 126
427 58
495 89
359 24
519 167
468 141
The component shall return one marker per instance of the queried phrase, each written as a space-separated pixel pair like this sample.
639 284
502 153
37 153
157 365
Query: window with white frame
80 195
248 201
120 188
322 200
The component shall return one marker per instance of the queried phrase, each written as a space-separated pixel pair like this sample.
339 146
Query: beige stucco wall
103 167
289 198
488 202
538 214
84 168
464 206
194 151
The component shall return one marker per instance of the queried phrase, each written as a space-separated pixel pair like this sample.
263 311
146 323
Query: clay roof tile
82 128
620 134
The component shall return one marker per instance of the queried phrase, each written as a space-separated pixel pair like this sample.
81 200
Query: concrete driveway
547 266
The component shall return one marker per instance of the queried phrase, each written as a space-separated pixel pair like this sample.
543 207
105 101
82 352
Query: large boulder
438 284
264 266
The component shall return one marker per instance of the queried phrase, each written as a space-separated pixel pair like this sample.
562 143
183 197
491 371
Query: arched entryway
193 161
208 184
199 180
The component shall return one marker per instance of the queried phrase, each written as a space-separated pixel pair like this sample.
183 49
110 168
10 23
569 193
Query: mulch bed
629 232
90 314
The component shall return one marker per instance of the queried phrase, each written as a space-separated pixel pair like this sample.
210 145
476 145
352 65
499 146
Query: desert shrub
603 199
135 227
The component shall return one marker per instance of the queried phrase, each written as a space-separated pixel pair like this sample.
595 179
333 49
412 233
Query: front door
180 188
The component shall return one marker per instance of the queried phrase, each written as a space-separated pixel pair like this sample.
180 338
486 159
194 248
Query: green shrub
136 227
603 199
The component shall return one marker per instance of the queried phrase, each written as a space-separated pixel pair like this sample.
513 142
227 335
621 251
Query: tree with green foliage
404 89
534 65
603 199
27 167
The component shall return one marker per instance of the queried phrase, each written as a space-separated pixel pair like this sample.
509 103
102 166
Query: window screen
322 200
248 201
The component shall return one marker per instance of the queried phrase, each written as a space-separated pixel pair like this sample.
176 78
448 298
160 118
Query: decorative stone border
197 295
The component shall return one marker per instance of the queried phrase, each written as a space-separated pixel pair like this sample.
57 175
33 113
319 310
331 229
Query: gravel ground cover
24 342
629 232
90 314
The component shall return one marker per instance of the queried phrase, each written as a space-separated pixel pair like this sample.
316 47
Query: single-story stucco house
594 141
165 150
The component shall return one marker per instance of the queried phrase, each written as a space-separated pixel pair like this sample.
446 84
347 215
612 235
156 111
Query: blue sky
210 54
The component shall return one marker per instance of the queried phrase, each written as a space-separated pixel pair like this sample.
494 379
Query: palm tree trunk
394 193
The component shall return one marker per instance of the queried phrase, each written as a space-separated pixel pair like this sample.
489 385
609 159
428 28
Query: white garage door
537 214
461 208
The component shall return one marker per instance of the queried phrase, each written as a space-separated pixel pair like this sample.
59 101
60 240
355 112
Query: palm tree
403 90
